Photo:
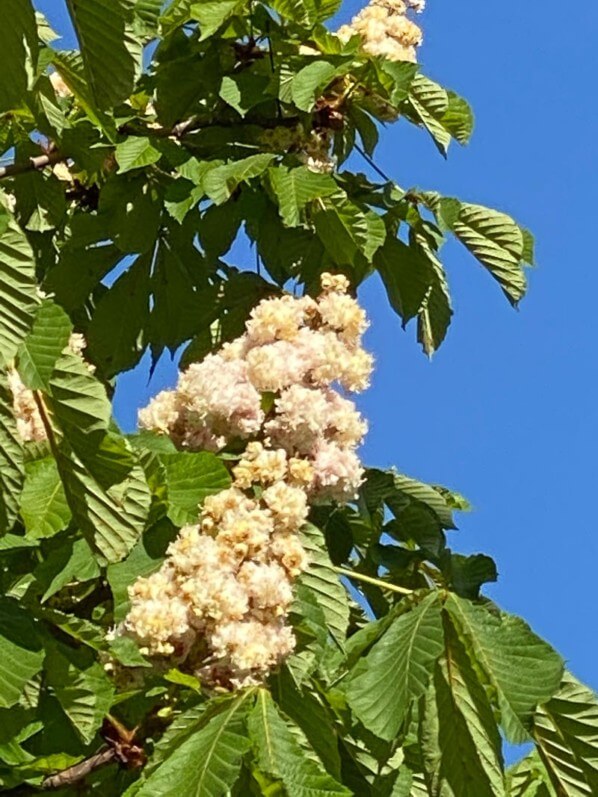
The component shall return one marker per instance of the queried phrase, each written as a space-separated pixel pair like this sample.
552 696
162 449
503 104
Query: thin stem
46 422
76 773
370 161
32 164
343 571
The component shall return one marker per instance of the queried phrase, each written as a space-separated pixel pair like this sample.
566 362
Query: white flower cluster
30 426
386 30
220 601
295 349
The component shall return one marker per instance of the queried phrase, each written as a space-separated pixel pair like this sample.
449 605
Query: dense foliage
132 167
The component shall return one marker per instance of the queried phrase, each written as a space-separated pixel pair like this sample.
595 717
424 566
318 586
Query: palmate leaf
18 52
434 316
81 686
397 669
136 153
190 477
43 345
21 652
565 730
294 188
522 669
18 298
43 505
212 14
117 345
310 714
280 755
444 114
309 82
11 459
220 182
347 232
71 561
111 55
80 408
493 238
111 519
460 743
321 579
207 763
529 778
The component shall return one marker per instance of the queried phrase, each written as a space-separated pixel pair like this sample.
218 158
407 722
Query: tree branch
81 770
32 164
181 129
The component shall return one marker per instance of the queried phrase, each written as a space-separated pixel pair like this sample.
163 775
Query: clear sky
507 412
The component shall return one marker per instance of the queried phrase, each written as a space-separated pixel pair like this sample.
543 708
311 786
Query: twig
370 161
79 771
32 164
182 129
370 580
43 412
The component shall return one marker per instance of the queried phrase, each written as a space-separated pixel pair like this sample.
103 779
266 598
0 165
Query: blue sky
507 411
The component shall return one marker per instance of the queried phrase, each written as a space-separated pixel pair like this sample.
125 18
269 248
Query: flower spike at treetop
386 30
219 603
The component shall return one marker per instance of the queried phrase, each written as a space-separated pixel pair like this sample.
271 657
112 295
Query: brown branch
81 770
121 748
32 164
181 129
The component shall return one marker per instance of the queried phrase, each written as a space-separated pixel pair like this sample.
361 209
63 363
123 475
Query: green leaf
18 297
468 573
44 508
136 152
565 730
131 206
521 668
436 312
11 459
82 687
69 64
40 201
91 264
21 653
406 274
43 346
311 715
444 114
81 410
397 669
18 52
348 232
117 346
72 561
529 778
207 763
190 477
294 188
493 238
309 82
213 14
459 739
111 54
179 308
112 519
321 579
280 755
219 183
